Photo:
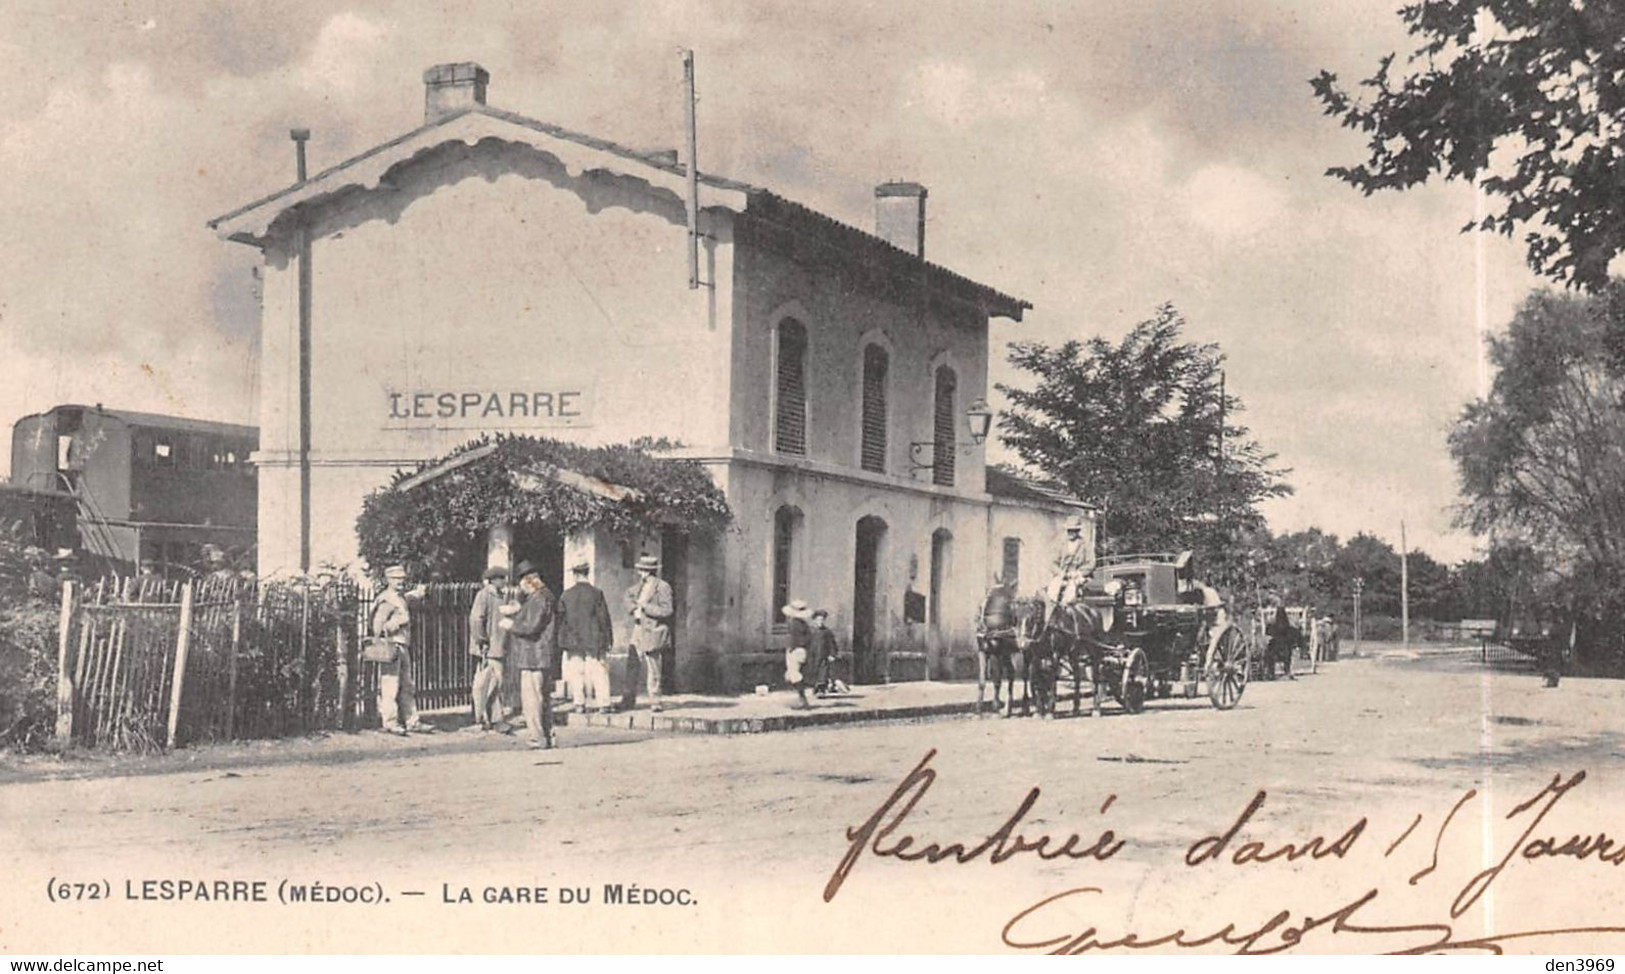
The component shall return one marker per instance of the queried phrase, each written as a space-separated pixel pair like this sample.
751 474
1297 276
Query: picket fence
146 663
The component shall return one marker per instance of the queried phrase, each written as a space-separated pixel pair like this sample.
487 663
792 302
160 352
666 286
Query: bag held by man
377 649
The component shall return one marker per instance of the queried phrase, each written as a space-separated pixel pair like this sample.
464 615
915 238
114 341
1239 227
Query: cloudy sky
1095 157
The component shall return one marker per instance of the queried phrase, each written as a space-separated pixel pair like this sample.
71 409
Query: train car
148 488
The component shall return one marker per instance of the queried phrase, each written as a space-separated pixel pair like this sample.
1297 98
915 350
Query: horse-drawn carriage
1137 628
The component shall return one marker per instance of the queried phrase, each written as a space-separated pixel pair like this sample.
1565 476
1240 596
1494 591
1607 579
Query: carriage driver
1077 558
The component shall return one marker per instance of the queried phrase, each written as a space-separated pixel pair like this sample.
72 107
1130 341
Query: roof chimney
452 88
900 216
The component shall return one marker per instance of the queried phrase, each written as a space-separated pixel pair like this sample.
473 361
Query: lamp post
978 422
1359 586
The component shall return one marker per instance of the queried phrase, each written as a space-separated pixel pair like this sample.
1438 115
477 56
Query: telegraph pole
693 173
1404 587
302 241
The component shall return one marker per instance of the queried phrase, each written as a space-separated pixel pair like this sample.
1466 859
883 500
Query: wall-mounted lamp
979 421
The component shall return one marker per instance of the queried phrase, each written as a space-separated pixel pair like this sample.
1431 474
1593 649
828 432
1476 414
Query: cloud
954 93
1232 203
343 57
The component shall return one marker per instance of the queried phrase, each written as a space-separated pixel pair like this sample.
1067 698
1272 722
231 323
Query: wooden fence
146 663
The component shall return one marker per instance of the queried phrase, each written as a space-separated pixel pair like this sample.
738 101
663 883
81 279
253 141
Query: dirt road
743 834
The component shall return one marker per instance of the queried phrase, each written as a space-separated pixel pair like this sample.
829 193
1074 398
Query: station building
489 273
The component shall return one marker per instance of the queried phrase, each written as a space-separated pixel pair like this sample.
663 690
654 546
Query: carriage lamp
978 420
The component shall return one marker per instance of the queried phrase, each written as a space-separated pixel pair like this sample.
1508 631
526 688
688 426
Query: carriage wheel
1226 672
1136 677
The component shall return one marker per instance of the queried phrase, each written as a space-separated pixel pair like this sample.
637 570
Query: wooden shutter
875 366
1011 572
942 431
790 432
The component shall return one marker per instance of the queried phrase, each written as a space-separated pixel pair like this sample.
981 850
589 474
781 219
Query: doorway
870 549
942 541
543 546
674 569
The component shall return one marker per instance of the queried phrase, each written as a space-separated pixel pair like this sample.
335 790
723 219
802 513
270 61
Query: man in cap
1077 558
585 632
392 619
531 628
488 643
649 603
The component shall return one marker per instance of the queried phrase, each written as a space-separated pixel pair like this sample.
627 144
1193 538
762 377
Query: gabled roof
1009 486
580 152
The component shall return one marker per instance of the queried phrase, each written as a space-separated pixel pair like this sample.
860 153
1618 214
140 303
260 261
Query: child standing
826 651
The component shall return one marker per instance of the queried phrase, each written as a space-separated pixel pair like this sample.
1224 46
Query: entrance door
542 546
674 569
871 538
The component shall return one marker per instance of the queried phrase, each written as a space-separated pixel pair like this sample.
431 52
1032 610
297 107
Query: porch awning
520 480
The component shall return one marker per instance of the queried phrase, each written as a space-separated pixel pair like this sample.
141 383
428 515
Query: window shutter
790 433
875 365
1011 572
942 433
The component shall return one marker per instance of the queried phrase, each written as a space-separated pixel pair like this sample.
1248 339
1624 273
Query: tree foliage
1526 97
1136 428
1542 457
423 527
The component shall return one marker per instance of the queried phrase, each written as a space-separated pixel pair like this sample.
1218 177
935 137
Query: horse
1000 646
1067 632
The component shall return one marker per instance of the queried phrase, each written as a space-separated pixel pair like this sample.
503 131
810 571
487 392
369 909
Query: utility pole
693 173
300 137
1404 587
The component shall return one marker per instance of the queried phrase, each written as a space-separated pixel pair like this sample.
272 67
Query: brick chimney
451 88
900 216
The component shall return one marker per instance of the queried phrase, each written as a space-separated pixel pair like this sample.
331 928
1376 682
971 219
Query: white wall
488 270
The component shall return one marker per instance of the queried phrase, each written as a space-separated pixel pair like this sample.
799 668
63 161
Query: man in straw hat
584 636
649 603
488 643
392 619
531 626
797 615
1077 558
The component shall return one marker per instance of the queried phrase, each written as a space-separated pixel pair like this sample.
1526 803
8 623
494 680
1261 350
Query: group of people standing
523 626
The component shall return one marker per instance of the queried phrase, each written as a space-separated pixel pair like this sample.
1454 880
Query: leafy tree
1137 428
1542 457
1492 587
1432 593
1370 558
1525 97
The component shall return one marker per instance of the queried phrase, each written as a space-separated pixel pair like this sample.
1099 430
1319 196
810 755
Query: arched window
942 428
876 363
786 526
790 390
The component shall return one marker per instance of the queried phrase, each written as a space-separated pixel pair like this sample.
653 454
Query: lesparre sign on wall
552 404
